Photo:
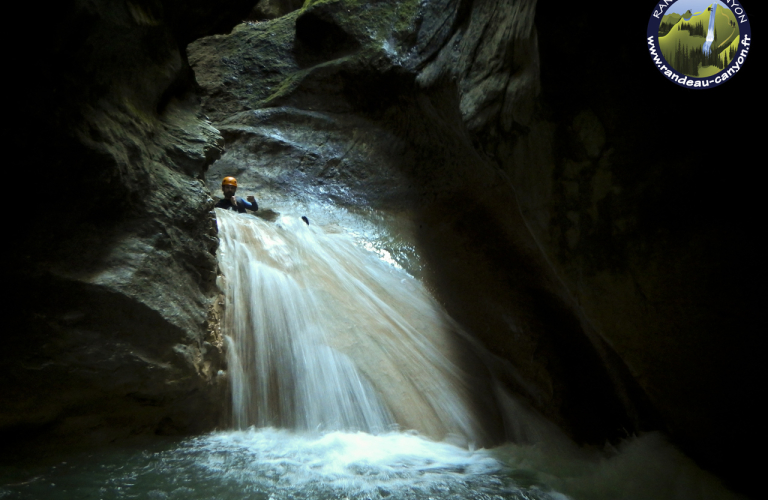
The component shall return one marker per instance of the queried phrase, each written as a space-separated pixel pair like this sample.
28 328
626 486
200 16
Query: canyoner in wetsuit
232 202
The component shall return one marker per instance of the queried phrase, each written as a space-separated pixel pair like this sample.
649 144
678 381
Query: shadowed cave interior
578 215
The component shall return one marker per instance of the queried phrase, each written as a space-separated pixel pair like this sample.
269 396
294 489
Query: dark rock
628 217
114 257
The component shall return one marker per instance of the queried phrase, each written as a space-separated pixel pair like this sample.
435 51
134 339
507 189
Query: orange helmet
229 181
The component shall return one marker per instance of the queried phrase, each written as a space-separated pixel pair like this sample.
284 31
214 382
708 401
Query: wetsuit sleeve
250 206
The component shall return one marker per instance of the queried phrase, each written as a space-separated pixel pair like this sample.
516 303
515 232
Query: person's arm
251 203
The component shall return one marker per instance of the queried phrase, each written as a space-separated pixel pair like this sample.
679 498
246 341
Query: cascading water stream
282 372
323 335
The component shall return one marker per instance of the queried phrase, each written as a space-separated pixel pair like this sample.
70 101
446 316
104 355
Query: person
232 202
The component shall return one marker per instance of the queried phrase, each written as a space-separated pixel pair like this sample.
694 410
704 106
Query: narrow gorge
582 262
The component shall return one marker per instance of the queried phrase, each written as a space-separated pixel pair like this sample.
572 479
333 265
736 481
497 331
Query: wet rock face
114 257
379 106
545 222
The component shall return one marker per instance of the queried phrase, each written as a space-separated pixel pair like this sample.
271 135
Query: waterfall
282 370
710 30
321 334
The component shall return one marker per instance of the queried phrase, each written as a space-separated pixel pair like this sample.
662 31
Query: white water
282 372
272 464
323 335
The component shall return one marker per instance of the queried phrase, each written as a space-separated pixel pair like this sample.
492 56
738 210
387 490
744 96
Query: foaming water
279 464
360 465
264 464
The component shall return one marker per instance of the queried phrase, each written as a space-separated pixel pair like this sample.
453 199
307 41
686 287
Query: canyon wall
580 215
112 255
566 208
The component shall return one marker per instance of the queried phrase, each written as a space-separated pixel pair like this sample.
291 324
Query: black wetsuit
241 205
